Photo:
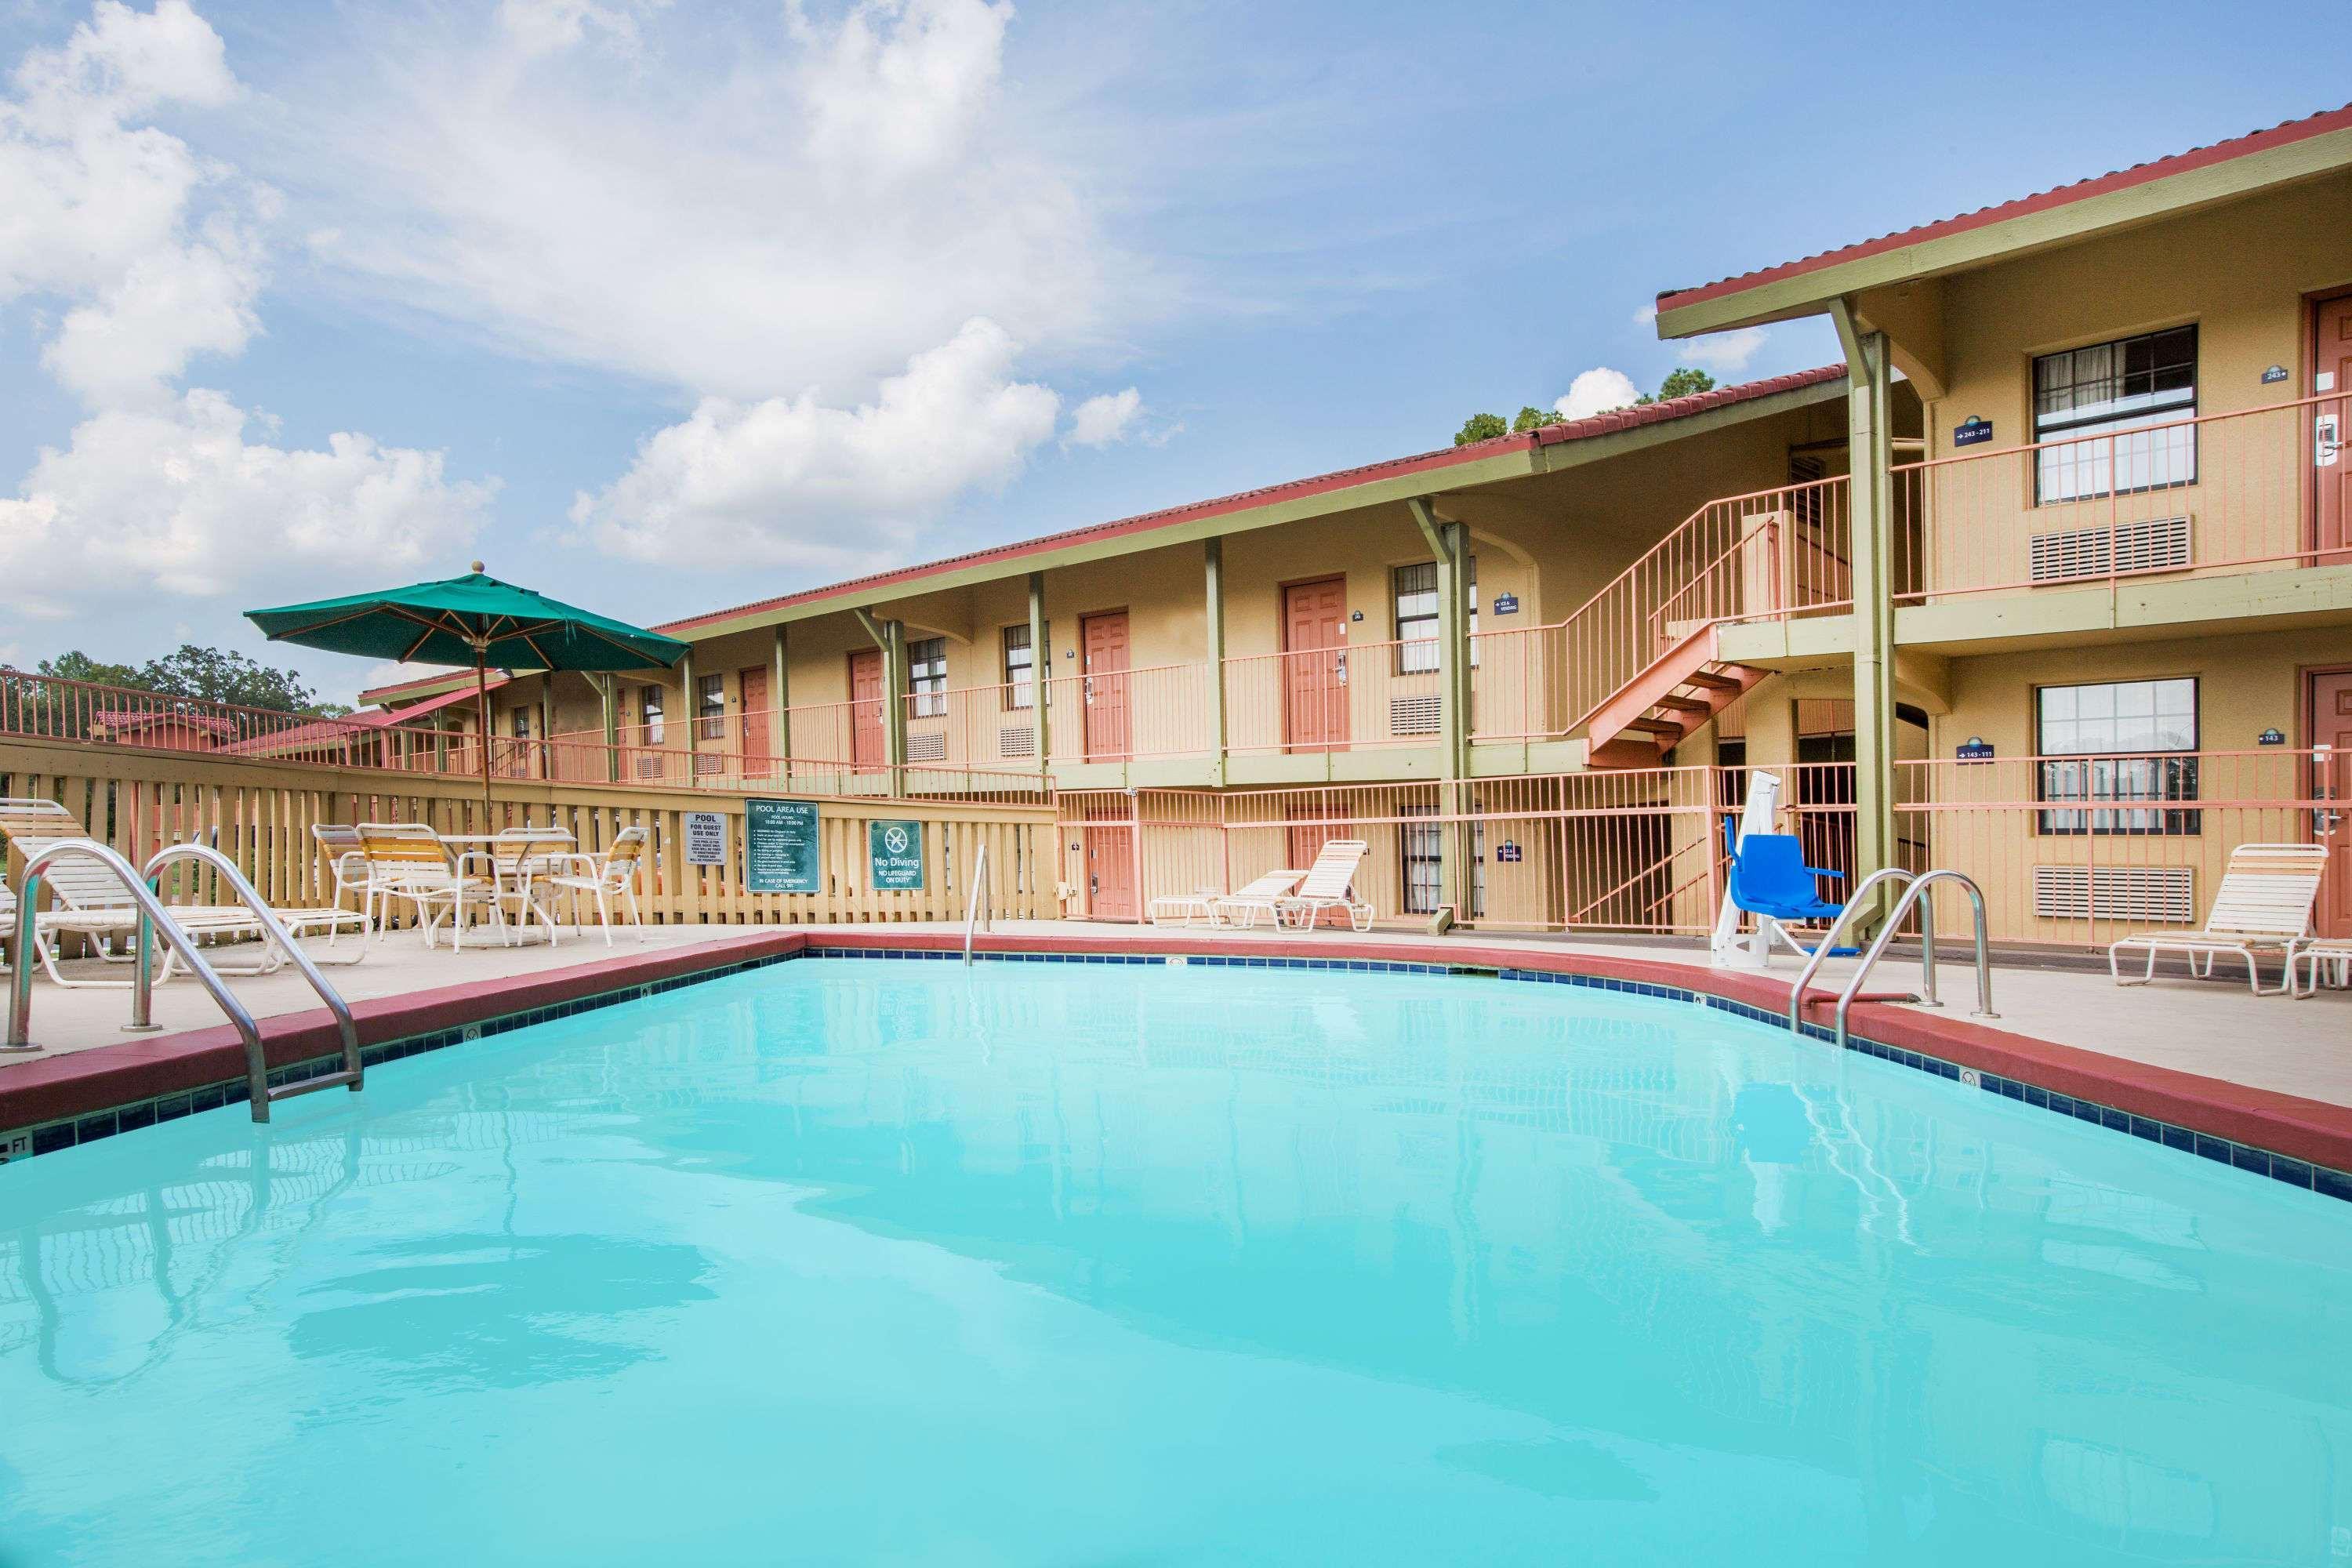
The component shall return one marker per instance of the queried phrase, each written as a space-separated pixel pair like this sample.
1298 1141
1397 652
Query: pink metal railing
1766 555
2233 489
1355 696
42 707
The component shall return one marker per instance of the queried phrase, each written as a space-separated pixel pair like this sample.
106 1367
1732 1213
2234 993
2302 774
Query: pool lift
155 922
1768 880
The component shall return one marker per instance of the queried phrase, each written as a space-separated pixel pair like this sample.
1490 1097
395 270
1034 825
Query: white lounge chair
1261 896
90 902
610 879
1329 885
2263 906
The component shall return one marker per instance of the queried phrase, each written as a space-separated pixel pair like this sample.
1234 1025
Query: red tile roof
2291 131
1393 468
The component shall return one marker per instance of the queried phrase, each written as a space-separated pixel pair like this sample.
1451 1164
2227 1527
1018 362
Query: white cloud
178 501
897 88
1598 391
848 193
1728 353
96 210
794 481
1647 316
157 255
1099 421
550 26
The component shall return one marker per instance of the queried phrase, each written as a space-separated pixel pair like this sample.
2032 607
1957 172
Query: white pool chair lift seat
91 902
1330 884
1242 907
2263 906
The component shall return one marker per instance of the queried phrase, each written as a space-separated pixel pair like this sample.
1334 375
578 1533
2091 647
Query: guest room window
2092 406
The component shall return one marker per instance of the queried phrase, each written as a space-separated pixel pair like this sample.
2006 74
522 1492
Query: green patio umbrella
471 620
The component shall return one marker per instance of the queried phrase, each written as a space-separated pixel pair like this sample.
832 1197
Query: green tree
80 666
203 674
1680 382
1533 418
1480 427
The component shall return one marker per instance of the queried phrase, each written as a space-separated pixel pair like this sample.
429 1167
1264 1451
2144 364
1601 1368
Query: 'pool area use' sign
782 852
894 852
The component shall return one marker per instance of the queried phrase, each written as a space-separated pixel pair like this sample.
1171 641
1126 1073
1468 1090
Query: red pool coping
103 1077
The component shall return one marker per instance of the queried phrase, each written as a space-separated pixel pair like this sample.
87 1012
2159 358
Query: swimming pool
844 1260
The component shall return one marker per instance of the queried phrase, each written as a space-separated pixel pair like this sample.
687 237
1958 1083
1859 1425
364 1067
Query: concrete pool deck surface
2269 1071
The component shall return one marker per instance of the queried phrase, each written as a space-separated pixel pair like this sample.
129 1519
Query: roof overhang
1552 449
2229 171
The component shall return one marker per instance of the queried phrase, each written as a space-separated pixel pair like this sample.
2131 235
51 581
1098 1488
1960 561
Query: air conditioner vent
652 767
2162 895
1018 743
930 748
1414 715
2156 544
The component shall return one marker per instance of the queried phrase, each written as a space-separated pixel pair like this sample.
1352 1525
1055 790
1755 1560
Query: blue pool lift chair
1771 881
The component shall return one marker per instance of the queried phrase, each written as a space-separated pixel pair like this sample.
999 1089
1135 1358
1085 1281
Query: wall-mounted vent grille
709 762
930 748
652 767
2157 545
1413 715
2162 895
1020 743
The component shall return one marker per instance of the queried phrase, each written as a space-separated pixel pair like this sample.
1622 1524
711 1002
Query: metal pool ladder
1915 887
156 922
979 901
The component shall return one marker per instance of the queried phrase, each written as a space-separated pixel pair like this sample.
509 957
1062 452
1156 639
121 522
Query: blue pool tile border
69 1131
2299 1173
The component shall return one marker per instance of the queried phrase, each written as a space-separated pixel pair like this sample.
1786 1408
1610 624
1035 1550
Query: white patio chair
1261 896
1329 885
524 862
408 863
2263 906
608 878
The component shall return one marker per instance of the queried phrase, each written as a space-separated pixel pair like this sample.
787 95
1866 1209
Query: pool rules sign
781 851
895 857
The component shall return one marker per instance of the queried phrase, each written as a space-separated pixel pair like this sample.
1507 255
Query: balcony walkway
2211 1028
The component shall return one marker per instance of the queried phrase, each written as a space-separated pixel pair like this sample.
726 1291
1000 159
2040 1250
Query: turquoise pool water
848 1261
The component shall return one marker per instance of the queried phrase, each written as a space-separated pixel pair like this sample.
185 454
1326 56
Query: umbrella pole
482 718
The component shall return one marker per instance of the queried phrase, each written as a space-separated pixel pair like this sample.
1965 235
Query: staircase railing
1766 554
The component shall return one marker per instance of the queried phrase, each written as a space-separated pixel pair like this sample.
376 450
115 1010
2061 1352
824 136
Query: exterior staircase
1683 689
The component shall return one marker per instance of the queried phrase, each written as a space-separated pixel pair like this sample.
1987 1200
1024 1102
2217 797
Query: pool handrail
1856 903
980 897
353 1071
1915 894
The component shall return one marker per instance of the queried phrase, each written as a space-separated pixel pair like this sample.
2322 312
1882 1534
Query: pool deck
2269 1071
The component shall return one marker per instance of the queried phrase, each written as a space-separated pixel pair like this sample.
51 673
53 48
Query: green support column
547 725
1215 556
609 705
782 681
1872 508
1041 667
1449 544
685 707
891 636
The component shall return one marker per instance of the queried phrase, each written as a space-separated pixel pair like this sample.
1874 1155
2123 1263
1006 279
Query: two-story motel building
2049 580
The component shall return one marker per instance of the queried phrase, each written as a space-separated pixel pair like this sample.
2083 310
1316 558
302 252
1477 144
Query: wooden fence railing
138 801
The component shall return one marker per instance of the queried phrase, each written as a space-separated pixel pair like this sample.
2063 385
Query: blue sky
668 307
